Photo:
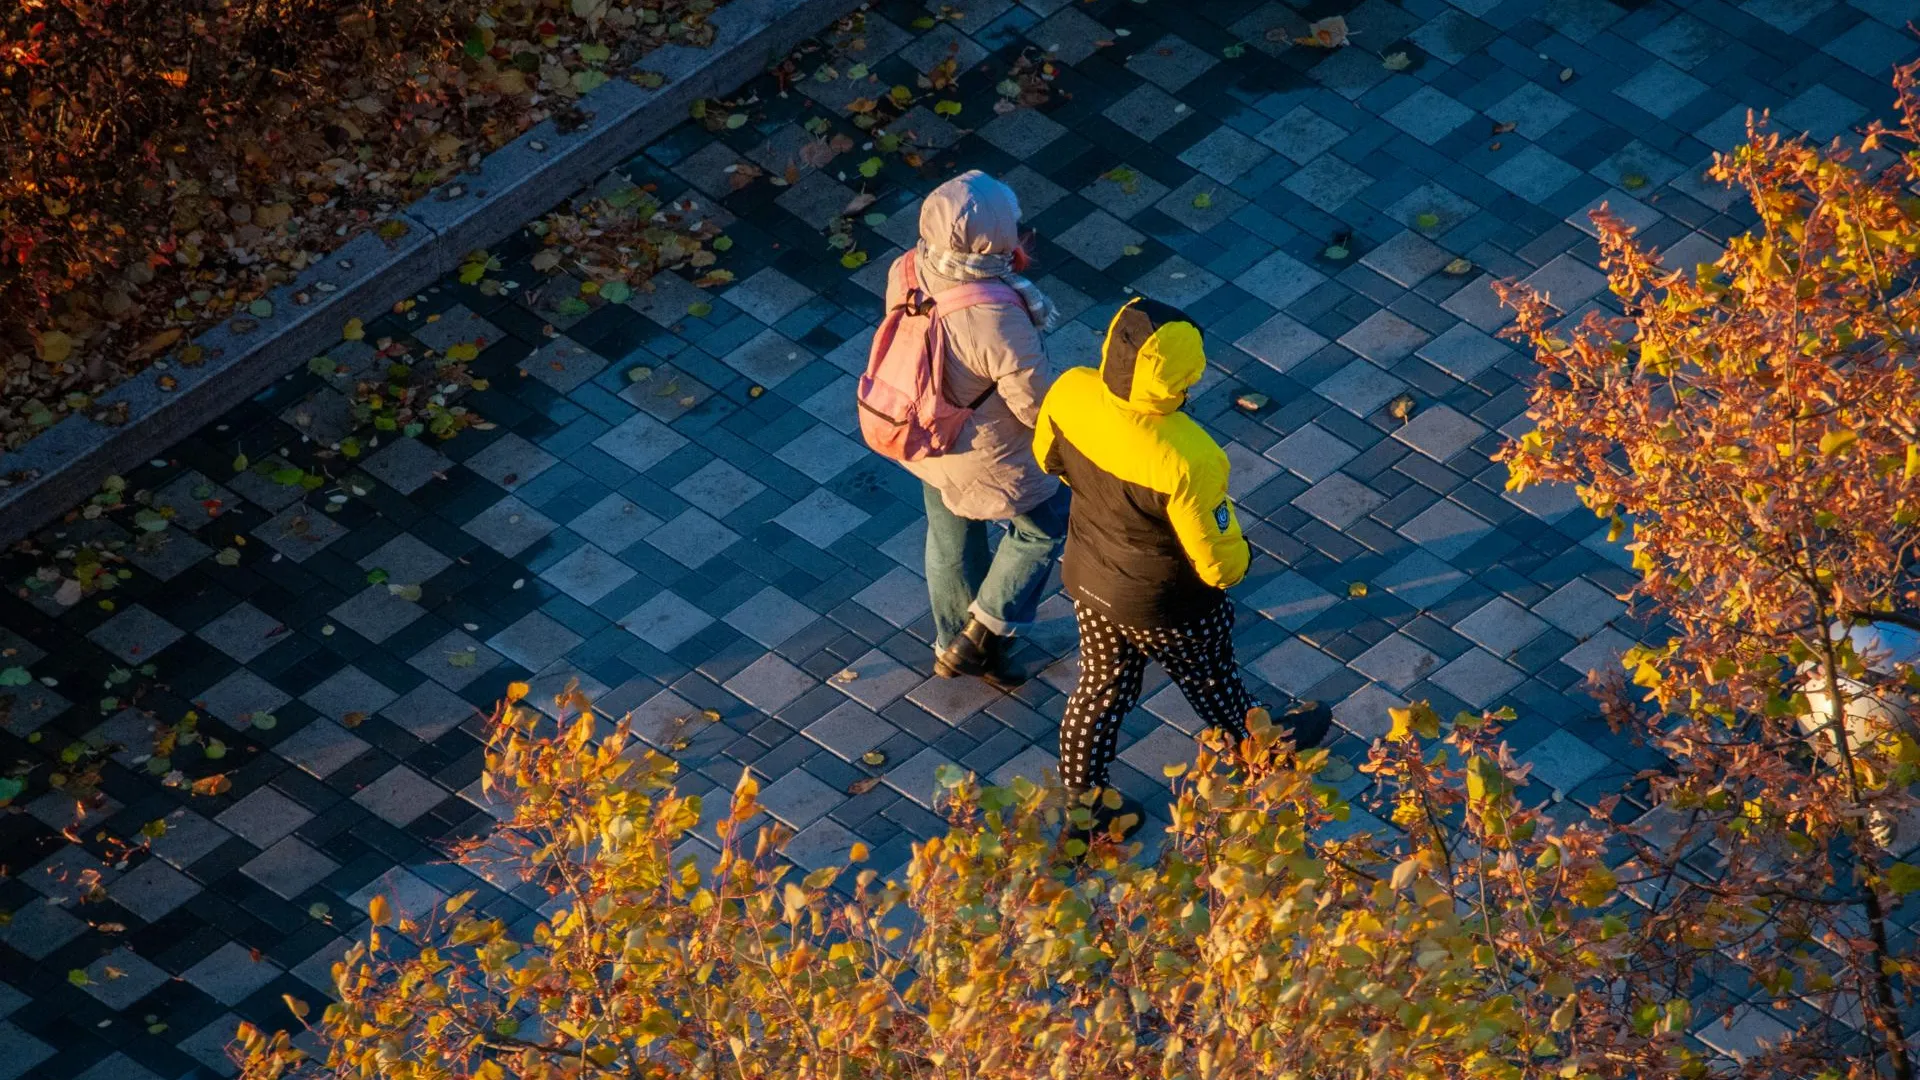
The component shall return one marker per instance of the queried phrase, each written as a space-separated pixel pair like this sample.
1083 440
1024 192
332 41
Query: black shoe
980 652
1307 722
1104 817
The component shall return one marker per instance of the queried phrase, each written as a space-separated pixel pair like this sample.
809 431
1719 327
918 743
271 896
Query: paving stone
153 889
1033 763
1428 115
19 1052
666 621
1567 282
1099 239
1421 579
242 632
770 617
1478 678
692 538
1327 183
1446 528
1463 352
1147 111
1533 110
640 442
1579 607
348 690
850 729
511 461
1290 600
534 641
770 684
1365 711
1385 338
1279 280
615 523
231 973
1022 133
898 596
718 488
1294 666
1171 63
1224 154
1563 761
822 844
1302 135
209 1045
401 795
322 746
768 295
1247 470
1312 452
410 895
1500 626
815 199
914 777
953 700
1339 500
563 365
1440 432
1281 342
1533 174
240 695
188 839
1361 388
821 453
263 817
1396 661
1153 752
1406 260
135 635
1600 653
587 573
289 868
821 518
1176 282
510 526
40 926
799 799
136 980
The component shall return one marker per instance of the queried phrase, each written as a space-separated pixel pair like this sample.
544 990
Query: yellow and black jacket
1153 537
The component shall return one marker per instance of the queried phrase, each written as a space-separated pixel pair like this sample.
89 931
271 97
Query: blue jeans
1002 588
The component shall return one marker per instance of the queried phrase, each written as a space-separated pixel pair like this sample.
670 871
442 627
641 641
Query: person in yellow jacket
1153 539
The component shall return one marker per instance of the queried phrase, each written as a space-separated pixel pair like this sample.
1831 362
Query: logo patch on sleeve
1223 515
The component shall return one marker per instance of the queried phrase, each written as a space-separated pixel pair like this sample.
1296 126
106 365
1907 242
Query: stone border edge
70 460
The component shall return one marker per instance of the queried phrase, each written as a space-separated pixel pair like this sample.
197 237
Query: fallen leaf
1458 266
1327 33
353 719
1398 61
1503 127
863 785
875 758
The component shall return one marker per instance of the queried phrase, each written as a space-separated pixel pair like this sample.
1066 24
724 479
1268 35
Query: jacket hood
972 213
1152 356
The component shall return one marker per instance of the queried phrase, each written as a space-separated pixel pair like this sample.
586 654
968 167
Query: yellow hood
1152 357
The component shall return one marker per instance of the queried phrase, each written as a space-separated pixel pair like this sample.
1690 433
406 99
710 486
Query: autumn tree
1473 944
1752 428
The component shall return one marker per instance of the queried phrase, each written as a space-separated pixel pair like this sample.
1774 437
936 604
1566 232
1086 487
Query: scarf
967 266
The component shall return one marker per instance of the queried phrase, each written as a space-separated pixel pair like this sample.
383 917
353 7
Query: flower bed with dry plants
170 161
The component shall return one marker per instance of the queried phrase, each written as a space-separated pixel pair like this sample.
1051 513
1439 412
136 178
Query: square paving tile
821 518
263 817
1281 342
231 974
1396 661
692 538
1421 579
587 573
1290 600
242 632
135 634
1294 666
1478 678
1302 135
1385 338
1099 240
1440 432
289 868
510 526
1339 500
666 621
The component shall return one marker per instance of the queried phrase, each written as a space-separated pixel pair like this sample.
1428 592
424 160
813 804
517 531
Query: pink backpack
904 411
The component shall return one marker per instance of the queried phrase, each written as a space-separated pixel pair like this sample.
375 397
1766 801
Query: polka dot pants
1113 658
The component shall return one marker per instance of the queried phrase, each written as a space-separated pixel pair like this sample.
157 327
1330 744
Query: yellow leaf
353 331
298 1008
858 853
380 911
55 347
517 691
459 901
1834 442
1913 460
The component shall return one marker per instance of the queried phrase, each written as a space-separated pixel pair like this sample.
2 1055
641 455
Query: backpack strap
961 297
